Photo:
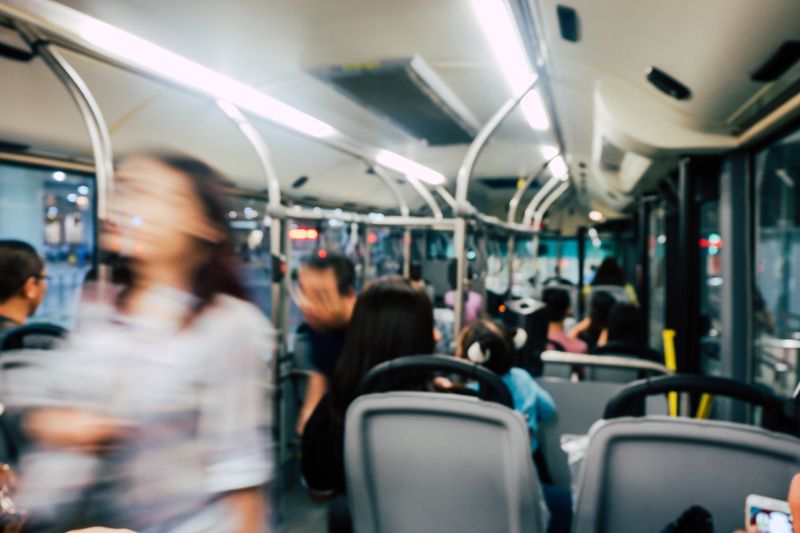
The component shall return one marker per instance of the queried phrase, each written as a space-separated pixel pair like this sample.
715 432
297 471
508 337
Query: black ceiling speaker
779 62
299 182
568 23
667 84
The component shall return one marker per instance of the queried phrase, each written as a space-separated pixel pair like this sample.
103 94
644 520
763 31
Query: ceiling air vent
410 94
500 183
611 157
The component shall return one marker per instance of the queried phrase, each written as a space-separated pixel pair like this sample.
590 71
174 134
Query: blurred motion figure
155 416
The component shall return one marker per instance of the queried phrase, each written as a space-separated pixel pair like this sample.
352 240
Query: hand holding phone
767 515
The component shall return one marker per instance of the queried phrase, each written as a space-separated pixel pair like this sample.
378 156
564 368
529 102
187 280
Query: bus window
776 296
53 210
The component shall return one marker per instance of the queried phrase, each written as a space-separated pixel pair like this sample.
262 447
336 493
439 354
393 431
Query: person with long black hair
391 319
154 417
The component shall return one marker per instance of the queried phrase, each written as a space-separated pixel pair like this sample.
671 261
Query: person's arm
545 406
316 387
579 328
235 419
250 505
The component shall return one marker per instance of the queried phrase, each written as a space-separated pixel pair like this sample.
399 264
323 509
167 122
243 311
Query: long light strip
174 67
226 89
498 26
410 168
557 164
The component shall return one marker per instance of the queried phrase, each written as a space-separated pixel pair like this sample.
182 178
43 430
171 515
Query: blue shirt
530 399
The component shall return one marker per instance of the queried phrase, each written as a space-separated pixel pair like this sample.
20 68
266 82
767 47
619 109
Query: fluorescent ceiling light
410 168
183 71
596 216
59 175
559 167
534 111
548 151
501 32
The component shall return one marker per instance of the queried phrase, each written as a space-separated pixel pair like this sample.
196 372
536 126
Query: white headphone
520 338
476 354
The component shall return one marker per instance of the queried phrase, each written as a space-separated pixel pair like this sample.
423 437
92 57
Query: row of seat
419 461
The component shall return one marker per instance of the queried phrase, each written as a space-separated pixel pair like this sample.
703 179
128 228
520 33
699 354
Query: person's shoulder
520 376
237 312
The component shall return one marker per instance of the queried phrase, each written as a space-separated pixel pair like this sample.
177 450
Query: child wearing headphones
489 344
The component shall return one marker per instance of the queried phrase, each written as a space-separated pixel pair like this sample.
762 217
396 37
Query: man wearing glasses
22 283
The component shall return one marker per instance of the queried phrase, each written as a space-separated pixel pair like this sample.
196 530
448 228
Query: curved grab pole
280 287
513 205
462 207
540 196
539 216
92 117
446 196
402 205
275 208
426 195
530 211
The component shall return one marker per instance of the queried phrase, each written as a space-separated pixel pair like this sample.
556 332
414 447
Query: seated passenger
327 297
625 334
558 306
390 319
473 301
611 277
22 283
590 328
487 343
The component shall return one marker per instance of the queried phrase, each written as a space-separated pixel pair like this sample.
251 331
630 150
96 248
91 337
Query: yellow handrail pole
671 362
706 403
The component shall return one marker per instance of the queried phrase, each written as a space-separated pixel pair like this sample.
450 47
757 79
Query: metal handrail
67 27
606 361
463 208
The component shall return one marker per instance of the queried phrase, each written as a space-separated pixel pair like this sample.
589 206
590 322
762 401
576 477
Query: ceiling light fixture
410 168
501 32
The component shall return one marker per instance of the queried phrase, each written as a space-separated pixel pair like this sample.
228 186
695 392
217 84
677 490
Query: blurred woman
590 328
154 418
609 276
391 319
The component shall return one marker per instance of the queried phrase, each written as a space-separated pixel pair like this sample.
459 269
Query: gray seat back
578 406
431 462
640 474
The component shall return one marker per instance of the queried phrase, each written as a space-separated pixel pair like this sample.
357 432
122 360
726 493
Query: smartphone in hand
767 515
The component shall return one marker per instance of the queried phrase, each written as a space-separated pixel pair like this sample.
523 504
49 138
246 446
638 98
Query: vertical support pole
459 244
687 272
402 206
643 234
367 254
581 238
736 223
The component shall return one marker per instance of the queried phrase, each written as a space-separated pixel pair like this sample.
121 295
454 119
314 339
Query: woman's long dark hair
391 319
215 273
610 273
600 308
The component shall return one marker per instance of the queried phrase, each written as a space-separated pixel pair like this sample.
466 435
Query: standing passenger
22 283
155 416
558 304
327 297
